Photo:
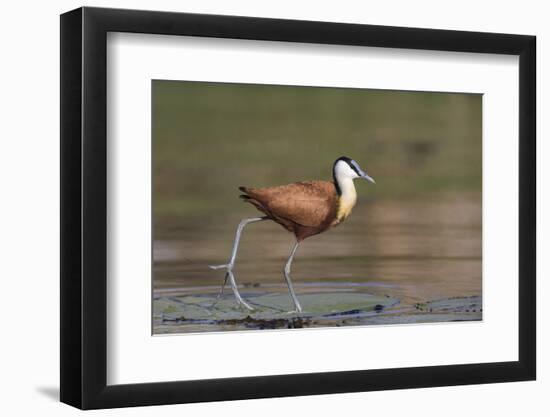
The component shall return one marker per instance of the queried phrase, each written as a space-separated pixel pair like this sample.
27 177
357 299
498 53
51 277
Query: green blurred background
210 138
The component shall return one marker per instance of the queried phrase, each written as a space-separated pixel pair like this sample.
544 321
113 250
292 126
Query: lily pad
271 310
197 309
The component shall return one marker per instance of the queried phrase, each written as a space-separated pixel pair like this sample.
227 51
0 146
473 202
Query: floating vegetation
203 312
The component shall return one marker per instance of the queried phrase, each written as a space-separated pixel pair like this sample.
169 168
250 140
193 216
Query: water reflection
415 250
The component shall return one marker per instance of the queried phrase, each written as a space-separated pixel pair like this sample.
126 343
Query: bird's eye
355 167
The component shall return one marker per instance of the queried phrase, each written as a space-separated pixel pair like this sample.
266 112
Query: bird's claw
229 274
242 303
229 267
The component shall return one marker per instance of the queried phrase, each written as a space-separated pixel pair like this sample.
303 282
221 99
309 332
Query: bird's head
347 168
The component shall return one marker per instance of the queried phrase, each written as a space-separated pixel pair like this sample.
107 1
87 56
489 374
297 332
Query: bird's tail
245 196
250 197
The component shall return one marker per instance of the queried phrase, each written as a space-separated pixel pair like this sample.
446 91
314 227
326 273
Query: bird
305 208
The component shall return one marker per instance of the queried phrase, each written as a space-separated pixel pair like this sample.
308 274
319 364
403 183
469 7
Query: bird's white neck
348 197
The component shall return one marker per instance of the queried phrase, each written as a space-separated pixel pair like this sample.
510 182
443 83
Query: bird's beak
365 176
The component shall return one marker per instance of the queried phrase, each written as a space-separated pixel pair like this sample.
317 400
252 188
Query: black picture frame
84 207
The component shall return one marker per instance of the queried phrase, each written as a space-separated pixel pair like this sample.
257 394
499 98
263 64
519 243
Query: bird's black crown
347 161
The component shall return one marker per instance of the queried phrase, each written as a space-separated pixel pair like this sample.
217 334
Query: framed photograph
257 208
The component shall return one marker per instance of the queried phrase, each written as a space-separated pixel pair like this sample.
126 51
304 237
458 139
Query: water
414 251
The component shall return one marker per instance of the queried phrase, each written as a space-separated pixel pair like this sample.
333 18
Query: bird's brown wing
310 203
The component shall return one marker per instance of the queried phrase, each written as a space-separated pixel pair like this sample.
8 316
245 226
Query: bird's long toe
244 304
229 267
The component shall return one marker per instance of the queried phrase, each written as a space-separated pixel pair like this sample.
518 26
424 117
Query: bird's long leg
229 276
297 305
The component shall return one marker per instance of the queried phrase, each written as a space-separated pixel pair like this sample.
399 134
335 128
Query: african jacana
304 208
